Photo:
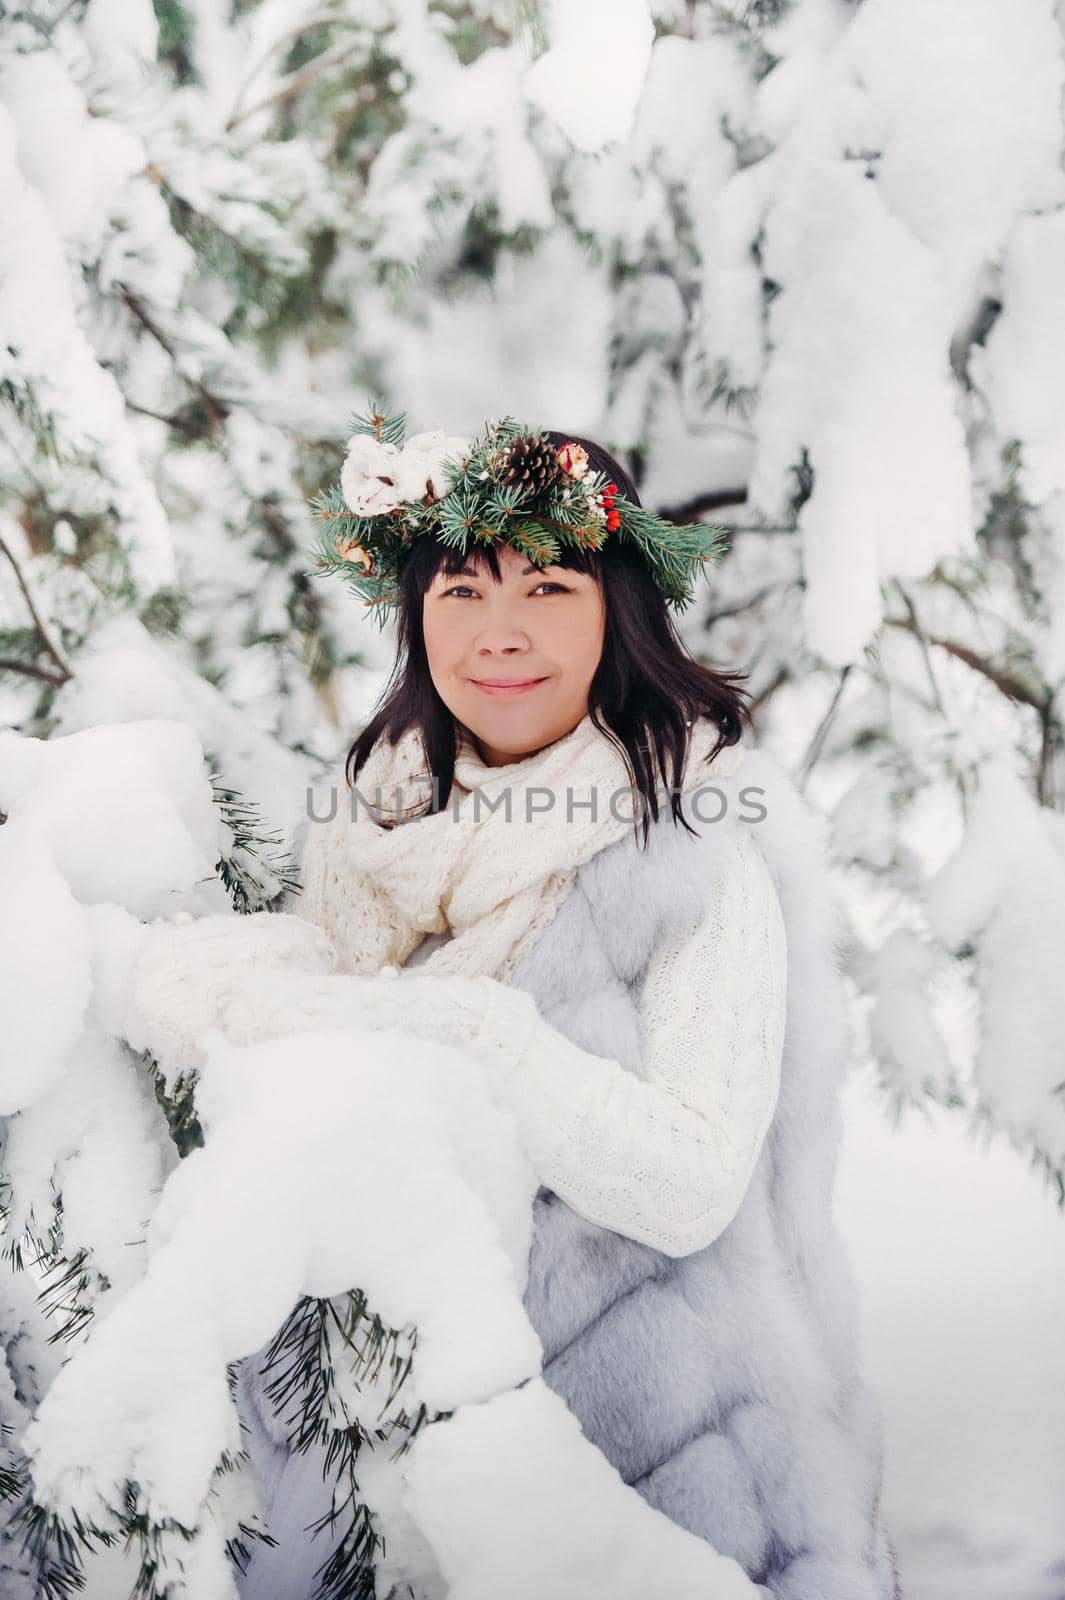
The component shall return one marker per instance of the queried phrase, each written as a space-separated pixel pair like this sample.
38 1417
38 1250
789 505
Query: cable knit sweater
664 1159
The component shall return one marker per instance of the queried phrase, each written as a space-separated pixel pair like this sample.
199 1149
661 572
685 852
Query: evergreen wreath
510 484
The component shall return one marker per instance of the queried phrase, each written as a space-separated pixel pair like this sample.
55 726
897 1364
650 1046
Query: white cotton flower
368 478
434 440
420 469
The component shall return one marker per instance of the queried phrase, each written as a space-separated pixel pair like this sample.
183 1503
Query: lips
506 686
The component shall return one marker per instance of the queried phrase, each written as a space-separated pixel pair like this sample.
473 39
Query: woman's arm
667 1159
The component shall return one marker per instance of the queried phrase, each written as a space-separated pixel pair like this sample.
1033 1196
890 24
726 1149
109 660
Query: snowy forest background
798 264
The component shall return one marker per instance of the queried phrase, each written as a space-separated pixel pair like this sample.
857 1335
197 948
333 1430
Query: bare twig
922 639
813 749
1050 741
779 678
1012 687
715 500
29 671
710 500
325 19
297 82
737 607
180 425
1042 701
51 645
138 309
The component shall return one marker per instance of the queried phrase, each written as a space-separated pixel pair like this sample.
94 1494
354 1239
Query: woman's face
542 623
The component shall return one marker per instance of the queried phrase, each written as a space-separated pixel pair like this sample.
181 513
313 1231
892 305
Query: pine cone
530 463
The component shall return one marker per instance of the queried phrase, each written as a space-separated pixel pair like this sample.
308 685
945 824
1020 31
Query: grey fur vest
723 1385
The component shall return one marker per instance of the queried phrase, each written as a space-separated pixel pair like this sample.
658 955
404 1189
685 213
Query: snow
35 899
40 336
877 275
127 677
270 1198
964 151
516 371
1005 889
547 1519
53 121
1020 367
590 77
864 387
957 1250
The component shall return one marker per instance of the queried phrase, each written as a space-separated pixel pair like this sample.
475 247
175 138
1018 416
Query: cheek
579 638
442 633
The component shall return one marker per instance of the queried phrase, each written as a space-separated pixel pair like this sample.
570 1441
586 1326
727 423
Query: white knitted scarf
493 865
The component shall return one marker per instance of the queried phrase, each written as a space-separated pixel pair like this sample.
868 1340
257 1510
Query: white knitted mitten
186 971
452 1010
494 1020
270 975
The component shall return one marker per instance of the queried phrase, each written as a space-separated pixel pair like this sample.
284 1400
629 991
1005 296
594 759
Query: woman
662 1011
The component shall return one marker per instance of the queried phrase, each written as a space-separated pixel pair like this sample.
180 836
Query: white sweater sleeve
667 1158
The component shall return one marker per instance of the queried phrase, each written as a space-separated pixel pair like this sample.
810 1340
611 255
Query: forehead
484 562
482 570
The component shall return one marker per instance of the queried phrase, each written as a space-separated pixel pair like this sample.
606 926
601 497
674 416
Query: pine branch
386 426
62 1280
178 1105
306 1392
248 882
55 1548
22 400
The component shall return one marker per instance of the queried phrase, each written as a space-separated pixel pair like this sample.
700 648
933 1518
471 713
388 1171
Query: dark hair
645 690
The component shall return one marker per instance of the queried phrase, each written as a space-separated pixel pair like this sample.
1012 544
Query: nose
502 648
500 635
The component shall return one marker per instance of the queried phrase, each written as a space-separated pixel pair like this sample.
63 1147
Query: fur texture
724 1385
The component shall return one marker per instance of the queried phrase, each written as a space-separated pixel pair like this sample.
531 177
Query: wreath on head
510 484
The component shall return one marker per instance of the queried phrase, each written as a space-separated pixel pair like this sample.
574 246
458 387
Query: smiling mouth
506 685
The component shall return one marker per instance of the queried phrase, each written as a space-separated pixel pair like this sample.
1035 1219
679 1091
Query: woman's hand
186 972
270 975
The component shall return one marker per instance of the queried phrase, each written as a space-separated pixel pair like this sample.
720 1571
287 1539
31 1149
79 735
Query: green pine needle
378 420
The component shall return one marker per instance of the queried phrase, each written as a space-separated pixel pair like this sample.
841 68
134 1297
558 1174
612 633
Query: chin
511 726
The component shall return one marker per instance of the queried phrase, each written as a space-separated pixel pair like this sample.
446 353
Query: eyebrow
471 572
